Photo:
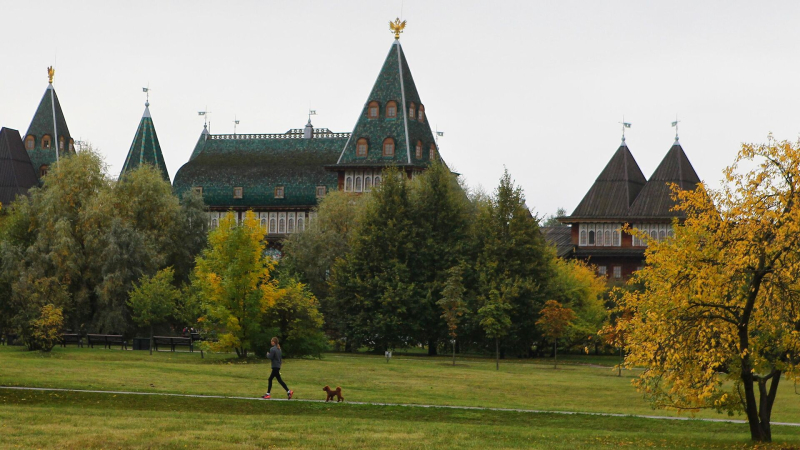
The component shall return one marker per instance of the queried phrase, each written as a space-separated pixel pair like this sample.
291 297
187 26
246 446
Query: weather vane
146 90
624 125
397 27
675 124
50 74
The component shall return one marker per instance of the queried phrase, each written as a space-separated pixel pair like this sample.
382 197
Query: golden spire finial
397 27
50 73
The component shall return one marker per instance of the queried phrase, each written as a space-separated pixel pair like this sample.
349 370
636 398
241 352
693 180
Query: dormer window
198 190
391 110
432 154
388 147
46 141
361 147
320 191
372 110
419 149
421 115
279 192
71 145
61 143
30 142
412 113
43 170
237 192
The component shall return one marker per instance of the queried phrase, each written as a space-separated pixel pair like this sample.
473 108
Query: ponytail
277 342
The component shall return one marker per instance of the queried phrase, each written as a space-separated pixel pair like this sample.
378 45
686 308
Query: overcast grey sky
537 87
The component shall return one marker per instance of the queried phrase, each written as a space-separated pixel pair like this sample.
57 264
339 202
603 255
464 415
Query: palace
622 195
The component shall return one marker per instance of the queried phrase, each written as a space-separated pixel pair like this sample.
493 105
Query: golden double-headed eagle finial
50 74
397 27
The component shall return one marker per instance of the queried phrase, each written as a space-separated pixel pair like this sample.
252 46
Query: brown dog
331 392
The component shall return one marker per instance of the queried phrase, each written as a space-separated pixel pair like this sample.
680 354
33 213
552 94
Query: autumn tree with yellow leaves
717 324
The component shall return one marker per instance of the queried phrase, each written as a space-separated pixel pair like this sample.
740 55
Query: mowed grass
82 420
95 421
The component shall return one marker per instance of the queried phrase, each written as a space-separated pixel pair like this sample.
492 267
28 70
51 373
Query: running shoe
291 392
266 396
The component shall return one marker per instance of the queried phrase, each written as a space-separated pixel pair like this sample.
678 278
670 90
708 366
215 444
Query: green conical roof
198 148
145 148
394 83
42 125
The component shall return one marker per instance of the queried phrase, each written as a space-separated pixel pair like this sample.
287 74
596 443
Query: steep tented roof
394 83
258 164
145 148
42 124
17 174
654 200
200 142
615 189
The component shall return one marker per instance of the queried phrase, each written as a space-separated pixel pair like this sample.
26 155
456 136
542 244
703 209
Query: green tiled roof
145 148
42 124
258 164
394 83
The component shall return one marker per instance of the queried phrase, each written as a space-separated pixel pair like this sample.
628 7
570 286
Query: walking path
408 405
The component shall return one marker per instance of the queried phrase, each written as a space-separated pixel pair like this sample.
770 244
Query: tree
295 318
494 317
235 281
718 318
452 303
576 285
153 299
47 328
552 220
554 322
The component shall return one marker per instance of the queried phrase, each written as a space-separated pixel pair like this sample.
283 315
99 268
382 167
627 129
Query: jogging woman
275 356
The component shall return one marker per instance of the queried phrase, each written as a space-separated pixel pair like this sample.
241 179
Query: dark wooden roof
560 237
615 189
17 174
654 201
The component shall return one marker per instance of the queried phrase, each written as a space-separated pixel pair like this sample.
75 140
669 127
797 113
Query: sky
535 87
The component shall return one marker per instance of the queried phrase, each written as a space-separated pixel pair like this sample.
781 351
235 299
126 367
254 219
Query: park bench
8 338
172 342
71 338
107 340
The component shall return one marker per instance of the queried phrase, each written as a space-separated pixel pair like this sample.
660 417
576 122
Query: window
214 224
421 115
662 235
388 147
607 240
300 224
264 224
372 110
348 184
654 235
591 237
43 170
279 192
30 142
271 225
432 155
320 191
412 111
362 147
291 225
670 233
615 237
419 149
582 240
358 184
391 109
367 184
601 270
599 237
618 272
377 181
281 225
237 192
198 190
71 145
61 143
46 141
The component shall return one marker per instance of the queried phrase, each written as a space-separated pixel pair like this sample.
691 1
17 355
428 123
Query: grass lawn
105 421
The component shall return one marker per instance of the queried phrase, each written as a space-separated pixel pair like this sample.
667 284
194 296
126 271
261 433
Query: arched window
291 225
367 184
300 224
30 142
264 224
377 181
46 141
591 238
599 238
432 155
391 109
583 238
281 225
670 234
358 184
271 225
419 149
372 110
361 147
421 115
616 242
71 145
654 235
388 147
43 170
607 240
61 143
662 235
348 184
213 223
412 111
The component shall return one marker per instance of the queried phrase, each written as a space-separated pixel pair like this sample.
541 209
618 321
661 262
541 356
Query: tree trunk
432 347
151 339
454 352
619 368
555 353
497 352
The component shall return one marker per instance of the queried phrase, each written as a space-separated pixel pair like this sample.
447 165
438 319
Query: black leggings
276 373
